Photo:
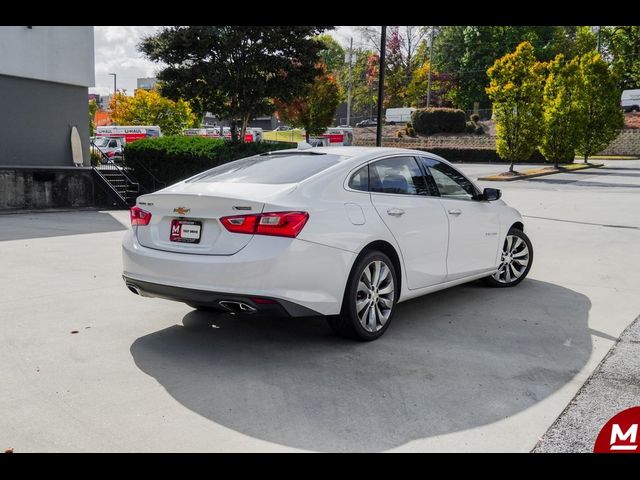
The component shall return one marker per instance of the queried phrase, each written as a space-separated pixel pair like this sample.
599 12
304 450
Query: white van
630 101
398 115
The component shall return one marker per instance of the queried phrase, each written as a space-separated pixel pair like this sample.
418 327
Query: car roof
353 152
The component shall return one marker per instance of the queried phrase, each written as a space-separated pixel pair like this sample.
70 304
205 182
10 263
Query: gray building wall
53 53
36 119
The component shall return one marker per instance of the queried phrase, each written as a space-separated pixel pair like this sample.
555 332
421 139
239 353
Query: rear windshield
269 169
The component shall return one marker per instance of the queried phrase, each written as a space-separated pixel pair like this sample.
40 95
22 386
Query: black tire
635 108
347 324
494 282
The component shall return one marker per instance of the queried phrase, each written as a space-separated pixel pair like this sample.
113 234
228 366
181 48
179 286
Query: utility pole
349 88
114 83
383 48
430 67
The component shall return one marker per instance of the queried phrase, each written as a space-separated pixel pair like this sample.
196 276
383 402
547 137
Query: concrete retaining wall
62 187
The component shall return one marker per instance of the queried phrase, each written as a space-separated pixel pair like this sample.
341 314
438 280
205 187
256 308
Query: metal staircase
116 180
121 183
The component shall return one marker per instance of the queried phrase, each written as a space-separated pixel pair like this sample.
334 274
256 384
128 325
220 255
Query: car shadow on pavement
23 226
451 361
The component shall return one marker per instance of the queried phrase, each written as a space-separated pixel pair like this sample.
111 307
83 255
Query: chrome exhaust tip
234 306
134 289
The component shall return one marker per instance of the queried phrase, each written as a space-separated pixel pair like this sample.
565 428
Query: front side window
450 182
397 175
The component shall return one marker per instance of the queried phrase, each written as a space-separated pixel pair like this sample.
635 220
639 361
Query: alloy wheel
374 296
514 260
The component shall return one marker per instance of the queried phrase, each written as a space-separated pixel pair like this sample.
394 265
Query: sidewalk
614 386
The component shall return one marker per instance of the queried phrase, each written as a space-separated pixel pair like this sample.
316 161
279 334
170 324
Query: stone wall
62 187
485 142
627 143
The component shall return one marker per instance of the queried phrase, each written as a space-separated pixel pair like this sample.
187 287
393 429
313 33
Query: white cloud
116 52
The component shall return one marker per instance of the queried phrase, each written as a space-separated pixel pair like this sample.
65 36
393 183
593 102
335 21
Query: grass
296 135
538 172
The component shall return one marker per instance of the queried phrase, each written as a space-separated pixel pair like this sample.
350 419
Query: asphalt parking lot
465 369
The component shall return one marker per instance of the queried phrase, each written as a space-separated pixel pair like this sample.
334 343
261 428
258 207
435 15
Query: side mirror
491 194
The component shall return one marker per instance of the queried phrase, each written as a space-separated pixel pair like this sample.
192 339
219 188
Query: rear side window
397 175
269 169
360 179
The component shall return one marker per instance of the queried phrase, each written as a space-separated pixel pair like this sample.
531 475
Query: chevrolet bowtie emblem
181 210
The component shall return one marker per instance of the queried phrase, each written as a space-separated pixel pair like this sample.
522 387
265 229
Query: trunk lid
202 204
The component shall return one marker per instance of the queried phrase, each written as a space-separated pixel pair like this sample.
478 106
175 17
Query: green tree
396 78
150 108
585 41
599 106
313 111
416 92
515 88
331 54
561 116
466 52
235 71
622 47
93 108
365 82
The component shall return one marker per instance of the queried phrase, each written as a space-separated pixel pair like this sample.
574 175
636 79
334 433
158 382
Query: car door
414 215
474 226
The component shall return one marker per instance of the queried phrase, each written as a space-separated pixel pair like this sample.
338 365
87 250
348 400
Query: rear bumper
304 277
206 298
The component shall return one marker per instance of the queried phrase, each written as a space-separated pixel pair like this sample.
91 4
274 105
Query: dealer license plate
186 231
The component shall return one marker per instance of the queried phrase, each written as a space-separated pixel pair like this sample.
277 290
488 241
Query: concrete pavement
613 387
466 369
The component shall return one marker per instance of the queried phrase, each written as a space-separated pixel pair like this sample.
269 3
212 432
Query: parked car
394 116
367 123
630 100
344 232
111 147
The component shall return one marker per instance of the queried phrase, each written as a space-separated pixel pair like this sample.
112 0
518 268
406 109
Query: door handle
455 211
395 212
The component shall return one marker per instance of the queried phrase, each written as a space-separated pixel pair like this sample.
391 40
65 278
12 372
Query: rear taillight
279 224
139 216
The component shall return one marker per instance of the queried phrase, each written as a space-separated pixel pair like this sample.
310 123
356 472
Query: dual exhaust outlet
233 306
236 307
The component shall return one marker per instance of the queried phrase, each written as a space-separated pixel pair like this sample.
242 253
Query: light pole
383 51
114 83
350 56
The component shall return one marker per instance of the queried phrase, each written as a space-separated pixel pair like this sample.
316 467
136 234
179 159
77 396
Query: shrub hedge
471 155
174 158
439 120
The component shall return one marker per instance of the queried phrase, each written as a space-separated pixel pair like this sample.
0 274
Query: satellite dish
76 147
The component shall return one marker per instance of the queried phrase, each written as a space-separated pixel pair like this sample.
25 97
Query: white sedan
343 232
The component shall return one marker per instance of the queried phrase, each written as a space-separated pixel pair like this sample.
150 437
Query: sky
116 52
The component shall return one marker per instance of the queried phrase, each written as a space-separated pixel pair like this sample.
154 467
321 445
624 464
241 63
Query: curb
535 175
